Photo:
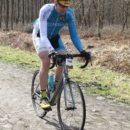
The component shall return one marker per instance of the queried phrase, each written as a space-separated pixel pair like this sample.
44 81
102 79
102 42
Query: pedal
70 108
53 104
48 109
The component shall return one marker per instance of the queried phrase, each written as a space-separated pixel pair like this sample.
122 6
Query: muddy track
16 112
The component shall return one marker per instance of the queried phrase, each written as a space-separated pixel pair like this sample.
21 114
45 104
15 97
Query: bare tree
1 4
23 20
12 13
126 13
7 13
85 13
102 15
18 11
98 19
88 13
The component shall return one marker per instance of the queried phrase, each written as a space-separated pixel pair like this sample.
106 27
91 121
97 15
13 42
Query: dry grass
16 40
111 51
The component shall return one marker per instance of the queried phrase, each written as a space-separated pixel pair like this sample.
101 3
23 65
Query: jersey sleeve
43 16
73 33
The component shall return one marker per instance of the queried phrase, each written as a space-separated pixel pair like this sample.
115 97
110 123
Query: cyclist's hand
83 52
86 55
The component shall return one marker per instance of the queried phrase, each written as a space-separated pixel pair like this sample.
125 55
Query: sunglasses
62 6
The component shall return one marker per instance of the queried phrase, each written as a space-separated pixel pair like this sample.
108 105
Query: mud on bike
71 107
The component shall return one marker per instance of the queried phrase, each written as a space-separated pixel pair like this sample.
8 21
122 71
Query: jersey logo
62 18
52 16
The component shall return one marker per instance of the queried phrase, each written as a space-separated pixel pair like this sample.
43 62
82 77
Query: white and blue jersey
49 24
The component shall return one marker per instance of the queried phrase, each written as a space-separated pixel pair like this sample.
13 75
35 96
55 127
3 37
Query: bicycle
71 103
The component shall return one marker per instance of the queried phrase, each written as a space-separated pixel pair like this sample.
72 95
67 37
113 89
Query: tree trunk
28 16
102 15
98 20
1 13
12 13
84 22
36 10
7 13
23 21
125 15
18 12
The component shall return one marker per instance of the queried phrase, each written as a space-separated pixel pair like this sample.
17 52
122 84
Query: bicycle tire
35 94
72 119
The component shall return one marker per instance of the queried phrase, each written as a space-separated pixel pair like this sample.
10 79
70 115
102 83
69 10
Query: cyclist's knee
45 64
44 59
61 51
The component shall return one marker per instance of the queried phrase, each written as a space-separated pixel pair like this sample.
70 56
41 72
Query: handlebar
62 57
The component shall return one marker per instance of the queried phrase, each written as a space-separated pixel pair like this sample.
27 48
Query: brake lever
53 56
88 59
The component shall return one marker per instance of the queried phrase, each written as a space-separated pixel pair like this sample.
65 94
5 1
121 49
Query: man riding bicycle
46 39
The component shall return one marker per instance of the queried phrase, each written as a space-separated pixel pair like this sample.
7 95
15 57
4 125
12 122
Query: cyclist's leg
45 62
35 92
43 74
61 50
59 69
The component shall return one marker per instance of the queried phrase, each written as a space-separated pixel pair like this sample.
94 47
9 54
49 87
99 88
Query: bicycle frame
62 85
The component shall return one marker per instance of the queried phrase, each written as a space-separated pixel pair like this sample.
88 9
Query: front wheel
35 94
73 117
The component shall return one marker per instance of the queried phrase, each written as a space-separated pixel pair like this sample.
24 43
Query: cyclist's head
65 3
62 6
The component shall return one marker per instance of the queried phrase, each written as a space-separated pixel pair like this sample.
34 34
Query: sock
43 94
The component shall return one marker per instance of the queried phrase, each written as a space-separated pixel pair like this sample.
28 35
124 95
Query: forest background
104 29
90 14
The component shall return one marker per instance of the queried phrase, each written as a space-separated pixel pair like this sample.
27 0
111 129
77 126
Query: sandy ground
16 111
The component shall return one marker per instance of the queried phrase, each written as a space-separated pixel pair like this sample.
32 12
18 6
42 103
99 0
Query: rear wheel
74 117
35 93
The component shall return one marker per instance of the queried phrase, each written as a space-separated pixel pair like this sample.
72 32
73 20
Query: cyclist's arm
73 33
43 28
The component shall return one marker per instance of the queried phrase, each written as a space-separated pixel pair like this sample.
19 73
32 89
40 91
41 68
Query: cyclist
46 39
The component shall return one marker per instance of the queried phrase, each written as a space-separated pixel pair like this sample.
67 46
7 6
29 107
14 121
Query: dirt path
16 112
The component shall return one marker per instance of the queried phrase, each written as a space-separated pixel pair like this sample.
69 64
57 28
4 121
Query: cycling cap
64 2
